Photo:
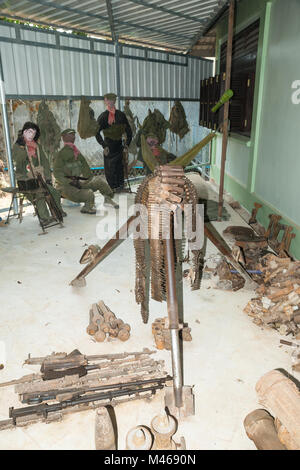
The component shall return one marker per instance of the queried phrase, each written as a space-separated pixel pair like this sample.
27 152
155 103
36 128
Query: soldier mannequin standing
113 123
75 179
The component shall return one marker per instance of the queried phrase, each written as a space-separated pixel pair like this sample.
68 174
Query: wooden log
281 397
260 428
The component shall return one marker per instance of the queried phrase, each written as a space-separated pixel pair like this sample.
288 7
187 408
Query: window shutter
249 102
238 102
244 54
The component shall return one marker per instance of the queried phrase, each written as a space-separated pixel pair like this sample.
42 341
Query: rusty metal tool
225 250
274 220
276 230
285 244
252 219
282 245
288 241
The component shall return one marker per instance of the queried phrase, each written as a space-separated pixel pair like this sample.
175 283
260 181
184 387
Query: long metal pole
172 303
226 106
118 81
6 134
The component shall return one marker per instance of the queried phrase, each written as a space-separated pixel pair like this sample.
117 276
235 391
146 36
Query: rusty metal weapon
221 245
55 411
117 239
64 394
61 365
54 209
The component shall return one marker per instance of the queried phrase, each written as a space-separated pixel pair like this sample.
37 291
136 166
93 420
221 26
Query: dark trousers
114 169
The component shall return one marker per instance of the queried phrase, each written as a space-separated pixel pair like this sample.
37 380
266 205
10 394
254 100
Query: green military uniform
22 166
163 158
66 165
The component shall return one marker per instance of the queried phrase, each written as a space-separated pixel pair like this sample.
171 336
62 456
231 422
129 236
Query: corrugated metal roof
172 24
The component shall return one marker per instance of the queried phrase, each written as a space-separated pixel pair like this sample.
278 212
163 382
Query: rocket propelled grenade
224 98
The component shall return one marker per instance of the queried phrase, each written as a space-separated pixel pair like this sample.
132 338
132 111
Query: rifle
58 365
78 178
30 414
64 394
54 209
125 165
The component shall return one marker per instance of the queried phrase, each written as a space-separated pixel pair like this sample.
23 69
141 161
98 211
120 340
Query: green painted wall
266 168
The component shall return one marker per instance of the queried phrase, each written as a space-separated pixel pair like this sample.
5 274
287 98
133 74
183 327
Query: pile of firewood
278 298
103 323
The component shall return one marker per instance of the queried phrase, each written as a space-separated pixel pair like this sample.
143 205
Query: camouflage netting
50 131
154 124
131 119
87 125
178 123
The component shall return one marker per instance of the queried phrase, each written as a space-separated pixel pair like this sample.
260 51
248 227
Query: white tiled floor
41 313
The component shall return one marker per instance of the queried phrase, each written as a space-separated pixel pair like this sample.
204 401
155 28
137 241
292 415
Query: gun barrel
44 409
117 239
53 394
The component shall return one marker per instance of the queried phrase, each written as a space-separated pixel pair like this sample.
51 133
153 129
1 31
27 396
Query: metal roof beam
111 20
220 8
166 10
105 18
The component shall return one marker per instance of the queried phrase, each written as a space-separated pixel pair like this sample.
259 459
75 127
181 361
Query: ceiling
170 24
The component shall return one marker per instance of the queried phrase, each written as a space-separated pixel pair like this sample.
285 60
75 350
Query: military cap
110 96
68 131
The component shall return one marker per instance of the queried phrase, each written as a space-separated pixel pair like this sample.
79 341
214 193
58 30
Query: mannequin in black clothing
113 123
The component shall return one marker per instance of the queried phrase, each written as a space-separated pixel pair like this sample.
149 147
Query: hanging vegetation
178 122
50 131
87 125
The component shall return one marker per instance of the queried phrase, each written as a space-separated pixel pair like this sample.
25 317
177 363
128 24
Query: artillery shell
104 432
91 329
123 334
100 336
120 323
159 341
113 332
126 326
105 327
114 324
186 334
109 317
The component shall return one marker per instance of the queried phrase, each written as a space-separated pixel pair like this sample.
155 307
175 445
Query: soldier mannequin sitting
29 156
75 179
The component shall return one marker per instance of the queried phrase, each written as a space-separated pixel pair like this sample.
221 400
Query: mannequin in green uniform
161 155
75 179
29 158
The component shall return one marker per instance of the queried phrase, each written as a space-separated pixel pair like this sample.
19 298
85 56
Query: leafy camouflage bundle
154 124
178 122
50 137
131 119
87 125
